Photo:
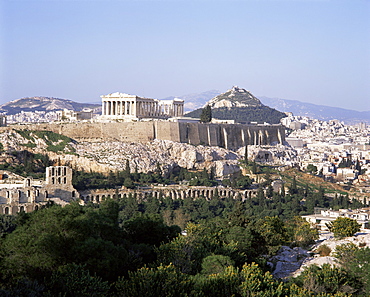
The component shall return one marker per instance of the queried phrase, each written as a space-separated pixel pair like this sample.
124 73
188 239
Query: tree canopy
344 227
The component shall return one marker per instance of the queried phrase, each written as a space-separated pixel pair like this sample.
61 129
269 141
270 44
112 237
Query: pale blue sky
312 51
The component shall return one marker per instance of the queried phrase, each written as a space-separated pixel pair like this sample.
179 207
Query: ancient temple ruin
121 106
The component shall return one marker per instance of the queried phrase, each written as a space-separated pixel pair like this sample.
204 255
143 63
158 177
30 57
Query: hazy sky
311 51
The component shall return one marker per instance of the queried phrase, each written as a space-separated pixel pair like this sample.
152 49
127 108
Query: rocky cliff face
236 97
144 157
112 155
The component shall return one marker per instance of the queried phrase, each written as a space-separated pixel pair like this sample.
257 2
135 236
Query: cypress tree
206 115
246 154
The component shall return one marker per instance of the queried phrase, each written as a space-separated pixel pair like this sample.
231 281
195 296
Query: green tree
312 169
328 279
128 183
206 115
300 232
257 283
8 224
55 236
76 280
274 232
246 154
254 167
225 283
215 264
149 229
293 187
164 281
344 227
127 171
355 261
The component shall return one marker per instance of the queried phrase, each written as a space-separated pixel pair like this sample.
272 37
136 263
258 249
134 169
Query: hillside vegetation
244 115
240 105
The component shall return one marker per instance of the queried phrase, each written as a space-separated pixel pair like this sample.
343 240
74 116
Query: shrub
323 250
344 227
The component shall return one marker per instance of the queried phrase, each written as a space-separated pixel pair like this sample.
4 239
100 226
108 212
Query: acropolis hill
131 118
230 136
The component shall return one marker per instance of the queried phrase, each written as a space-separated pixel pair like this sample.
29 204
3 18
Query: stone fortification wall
229 136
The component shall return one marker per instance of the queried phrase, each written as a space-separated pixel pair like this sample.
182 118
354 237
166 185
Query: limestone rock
235 97
143 157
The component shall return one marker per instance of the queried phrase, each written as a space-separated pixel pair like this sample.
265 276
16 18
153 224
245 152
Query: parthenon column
134 108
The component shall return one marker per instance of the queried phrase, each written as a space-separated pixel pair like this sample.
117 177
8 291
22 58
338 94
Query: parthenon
131 107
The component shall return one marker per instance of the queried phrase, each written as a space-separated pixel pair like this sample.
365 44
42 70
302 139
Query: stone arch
21 209
6 210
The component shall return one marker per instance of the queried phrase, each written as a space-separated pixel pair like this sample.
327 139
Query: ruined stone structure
72 115
28 195
229 136
120 106
3 121
180 192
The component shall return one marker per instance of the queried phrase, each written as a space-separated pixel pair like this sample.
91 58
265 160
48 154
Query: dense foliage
344 227
83 180
206 115
55 142
259 114
27 164
123 247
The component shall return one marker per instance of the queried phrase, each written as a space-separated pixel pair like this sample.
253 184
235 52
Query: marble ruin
121 106
26 194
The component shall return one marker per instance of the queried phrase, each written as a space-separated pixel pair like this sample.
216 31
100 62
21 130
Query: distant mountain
44 104
235 97
320 112
240 105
